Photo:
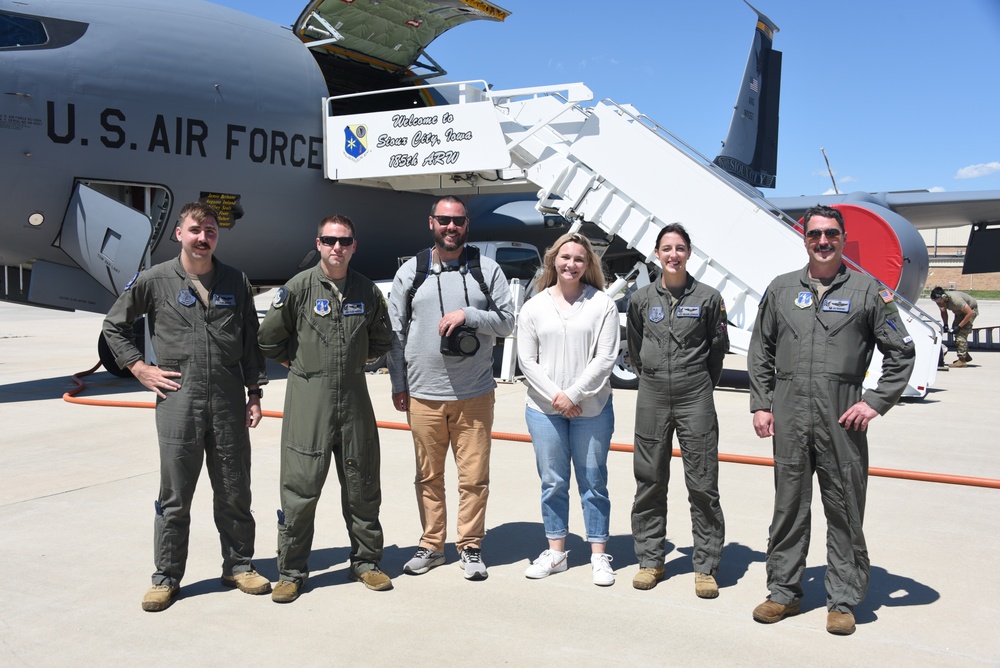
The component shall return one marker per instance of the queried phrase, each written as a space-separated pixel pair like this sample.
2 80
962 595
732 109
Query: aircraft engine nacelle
887 246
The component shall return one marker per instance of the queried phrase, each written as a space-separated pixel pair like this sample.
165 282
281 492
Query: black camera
462 342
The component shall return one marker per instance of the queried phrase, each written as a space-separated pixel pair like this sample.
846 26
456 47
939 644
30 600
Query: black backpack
469 264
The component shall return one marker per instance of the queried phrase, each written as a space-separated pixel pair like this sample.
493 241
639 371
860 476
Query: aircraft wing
924 209
393 32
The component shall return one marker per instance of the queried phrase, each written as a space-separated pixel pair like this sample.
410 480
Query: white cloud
849 179
976 171
937 189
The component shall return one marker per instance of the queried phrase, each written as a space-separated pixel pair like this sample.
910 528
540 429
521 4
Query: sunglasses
330 241
831 233
457 221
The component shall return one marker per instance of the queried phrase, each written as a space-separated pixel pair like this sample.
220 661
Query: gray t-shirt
415 362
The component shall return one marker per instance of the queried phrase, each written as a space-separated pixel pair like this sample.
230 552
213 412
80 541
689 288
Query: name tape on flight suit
688 312
837 305
354 308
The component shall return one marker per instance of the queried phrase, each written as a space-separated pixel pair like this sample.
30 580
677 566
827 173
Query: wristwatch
259 392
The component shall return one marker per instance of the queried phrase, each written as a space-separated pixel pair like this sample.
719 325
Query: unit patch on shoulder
886 295
353 308
280 297
804 300
132 282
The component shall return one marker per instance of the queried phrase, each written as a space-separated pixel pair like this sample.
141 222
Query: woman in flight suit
677 339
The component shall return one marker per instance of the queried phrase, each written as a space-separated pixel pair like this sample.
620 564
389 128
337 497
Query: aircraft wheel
622 375
108 358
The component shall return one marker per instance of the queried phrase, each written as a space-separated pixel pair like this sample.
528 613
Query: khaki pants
465 424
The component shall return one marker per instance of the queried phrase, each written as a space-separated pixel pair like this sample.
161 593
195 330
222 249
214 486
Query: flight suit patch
886 295
186 297
804 300
223 300
656 314
837 305
688 312
354 308
280 297
322 307
131 282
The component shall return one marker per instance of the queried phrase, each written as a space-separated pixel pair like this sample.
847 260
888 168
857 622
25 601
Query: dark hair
823 212
447 198
676 228
198 211
336 219
937 292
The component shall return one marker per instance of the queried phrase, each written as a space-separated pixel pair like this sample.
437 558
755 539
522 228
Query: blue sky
902 94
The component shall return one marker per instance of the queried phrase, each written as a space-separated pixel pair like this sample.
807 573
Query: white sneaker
604 575
547 563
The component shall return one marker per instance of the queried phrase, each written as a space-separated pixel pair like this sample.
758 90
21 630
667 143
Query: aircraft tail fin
750 151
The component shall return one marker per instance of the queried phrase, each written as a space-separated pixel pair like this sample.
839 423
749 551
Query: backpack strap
423 268
471 264
476 269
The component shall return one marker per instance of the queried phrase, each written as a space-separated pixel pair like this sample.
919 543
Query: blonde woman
567 340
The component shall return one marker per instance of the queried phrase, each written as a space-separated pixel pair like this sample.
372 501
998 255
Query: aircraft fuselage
191 98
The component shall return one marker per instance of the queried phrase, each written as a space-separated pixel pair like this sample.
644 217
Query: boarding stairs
608 165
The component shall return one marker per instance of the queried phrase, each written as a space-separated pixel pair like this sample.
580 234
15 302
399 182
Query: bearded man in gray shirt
441 366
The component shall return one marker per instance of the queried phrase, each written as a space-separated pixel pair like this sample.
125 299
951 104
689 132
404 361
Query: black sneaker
471 561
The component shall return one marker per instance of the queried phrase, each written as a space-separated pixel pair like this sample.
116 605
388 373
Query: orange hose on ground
900 474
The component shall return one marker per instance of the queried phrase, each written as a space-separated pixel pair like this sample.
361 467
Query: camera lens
468 343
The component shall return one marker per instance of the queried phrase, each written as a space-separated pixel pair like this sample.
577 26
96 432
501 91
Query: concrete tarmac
77 485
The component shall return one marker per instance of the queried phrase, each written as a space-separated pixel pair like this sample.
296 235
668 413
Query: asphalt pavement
77 485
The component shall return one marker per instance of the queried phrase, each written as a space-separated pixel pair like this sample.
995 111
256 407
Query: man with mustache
441 365
204 325
812 342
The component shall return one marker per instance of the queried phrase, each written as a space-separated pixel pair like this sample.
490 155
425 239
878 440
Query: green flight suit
807 360
214 347
677 350
328 414
956 302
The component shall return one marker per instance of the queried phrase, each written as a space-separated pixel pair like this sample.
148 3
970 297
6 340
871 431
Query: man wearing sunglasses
323 325
448 393
812 343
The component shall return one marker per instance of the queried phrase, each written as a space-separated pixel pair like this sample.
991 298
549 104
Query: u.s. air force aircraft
114 114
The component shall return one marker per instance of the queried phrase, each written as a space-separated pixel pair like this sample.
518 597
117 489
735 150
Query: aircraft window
519 263
18 31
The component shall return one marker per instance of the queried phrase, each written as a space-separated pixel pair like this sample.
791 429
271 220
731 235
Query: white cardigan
570 351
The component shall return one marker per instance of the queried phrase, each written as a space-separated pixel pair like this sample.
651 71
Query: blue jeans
586 442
